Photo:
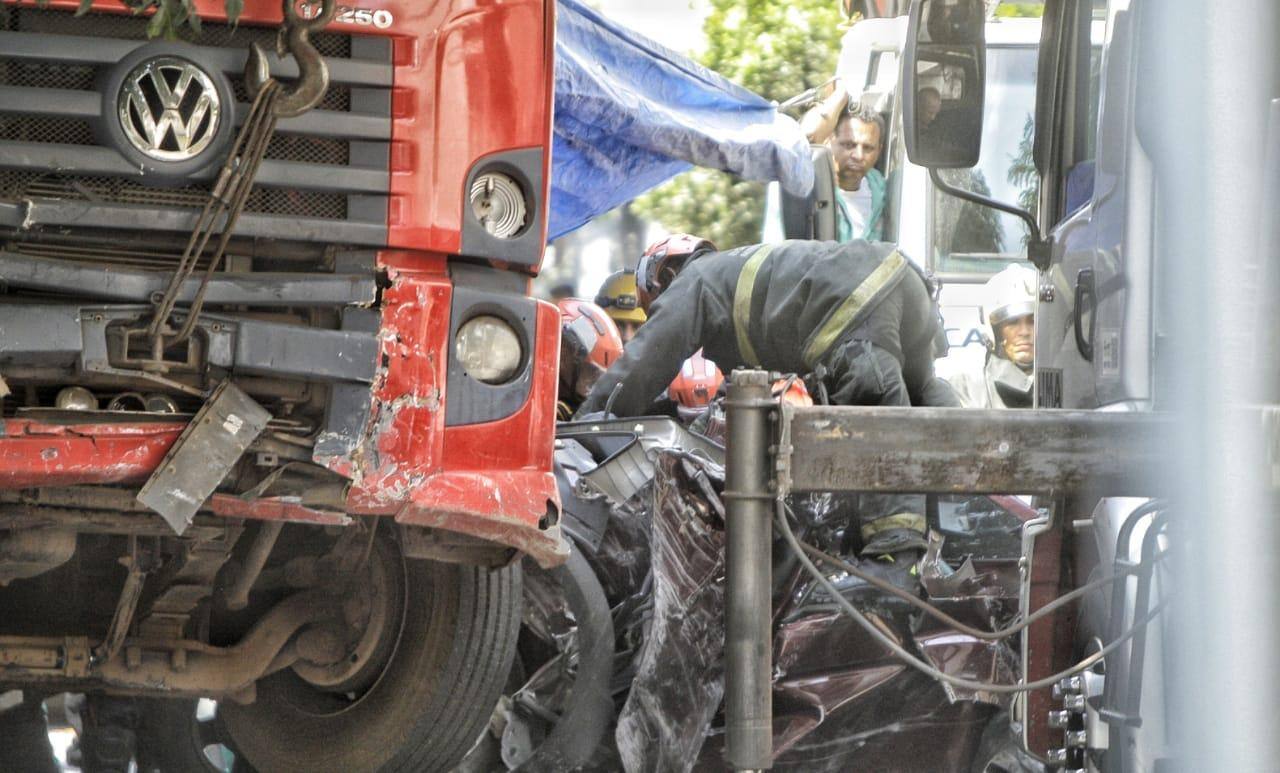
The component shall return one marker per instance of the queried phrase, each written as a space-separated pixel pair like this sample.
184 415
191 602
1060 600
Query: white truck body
869 65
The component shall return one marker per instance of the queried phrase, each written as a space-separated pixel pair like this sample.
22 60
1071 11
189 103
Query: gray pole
1207 84
748 534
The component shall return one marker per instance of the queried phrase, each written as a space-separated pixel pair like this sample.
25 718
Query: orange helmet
663 260
793 391
697 383
589 330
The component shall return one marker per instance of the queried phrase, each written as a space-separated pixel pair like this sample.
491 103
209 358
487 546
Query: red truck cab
360 407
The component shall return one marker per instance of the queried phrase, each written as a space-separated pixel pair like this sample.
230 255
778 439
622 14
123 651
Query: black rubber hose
590 706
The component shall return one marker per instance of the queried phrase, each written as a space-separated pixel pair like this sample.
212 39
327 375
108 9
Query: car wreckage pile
620 661
248 464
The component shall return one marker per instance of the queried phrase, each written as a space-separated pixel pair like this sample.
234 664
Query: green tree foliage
777 50
1022 168
1009 10
774 49
962 226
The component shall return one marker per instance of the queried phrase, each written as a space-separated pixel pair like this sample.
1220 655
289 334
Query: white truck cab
963 244
1156 146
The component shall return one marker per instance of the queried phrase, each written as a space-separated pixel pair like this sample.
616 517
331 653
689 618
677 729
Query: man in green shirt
855 135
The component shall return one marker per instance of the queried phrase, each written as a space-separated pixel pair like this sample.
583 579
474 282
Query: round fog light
488 349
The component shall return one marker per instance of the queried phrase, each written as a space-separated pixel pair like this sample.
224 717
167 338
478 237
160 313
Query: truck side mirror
943 80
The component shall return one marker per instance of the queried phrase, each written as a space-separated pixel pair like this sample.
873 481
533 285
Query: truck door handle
1085 289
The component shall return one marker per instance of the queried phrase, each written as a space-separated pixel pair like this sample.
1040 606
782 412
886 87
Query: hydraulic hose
902 654
931 610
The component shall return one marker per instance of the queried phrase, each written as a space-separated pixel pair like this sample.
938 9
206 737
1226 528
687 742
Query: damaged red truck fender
491 481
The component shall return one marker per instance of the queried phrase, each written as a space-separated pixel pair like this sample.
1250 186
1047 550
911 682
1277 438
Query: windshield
968 238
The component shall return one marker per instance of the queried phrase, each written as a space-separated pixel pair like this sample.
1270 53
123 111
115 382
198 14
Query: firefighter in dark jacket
857 312
589 344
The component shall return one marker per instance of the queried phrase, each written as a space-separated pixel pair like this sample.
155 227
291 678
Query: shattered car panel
679 681
840 699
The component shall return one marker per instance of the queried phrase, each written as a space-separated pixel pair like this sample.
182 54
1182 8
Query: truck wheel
183 735
437 643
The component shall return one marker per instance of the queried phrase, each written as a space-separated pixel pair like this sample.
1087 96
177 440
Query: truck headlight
488 349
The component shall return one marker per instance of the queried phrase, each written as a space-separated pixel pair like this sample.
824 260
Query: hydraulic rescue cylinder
748 518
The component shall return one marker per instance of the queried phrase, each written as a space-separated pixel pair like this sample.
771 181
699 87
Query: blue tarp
630 114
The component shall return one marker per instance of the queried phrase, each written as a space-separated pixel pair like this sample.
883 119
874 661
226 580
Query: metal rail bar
950 450
748 539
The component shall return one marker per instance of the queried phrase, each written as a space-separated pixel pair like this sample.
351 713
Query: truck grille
59 131
128 27
22 186
53 157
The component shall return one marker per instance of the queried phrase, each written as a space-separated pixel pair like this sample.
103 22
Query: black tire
571 742
24 738
109 736
173 738
431 701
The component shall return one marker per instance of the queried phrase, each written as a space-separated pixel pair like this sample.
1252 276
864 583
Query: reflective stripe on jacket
796 301
849 313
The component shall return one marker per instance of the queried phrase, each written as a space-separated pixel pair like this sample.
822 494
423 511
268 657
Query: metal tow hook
294 38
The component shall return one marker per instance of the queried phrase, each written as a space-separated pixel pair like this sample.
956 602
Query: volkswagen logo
169 108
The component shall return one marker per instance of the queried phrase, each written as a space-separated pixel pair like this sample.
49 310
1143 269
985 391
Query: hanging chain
219 216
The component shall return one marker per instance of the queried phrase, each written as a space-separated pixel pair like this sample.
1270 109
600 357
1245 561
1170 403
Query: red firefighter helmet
589 330
698 381
663 260
793 391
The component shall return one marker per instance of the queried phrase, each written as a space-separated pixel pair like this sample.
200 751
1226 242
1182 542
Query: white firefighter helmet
1010 294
